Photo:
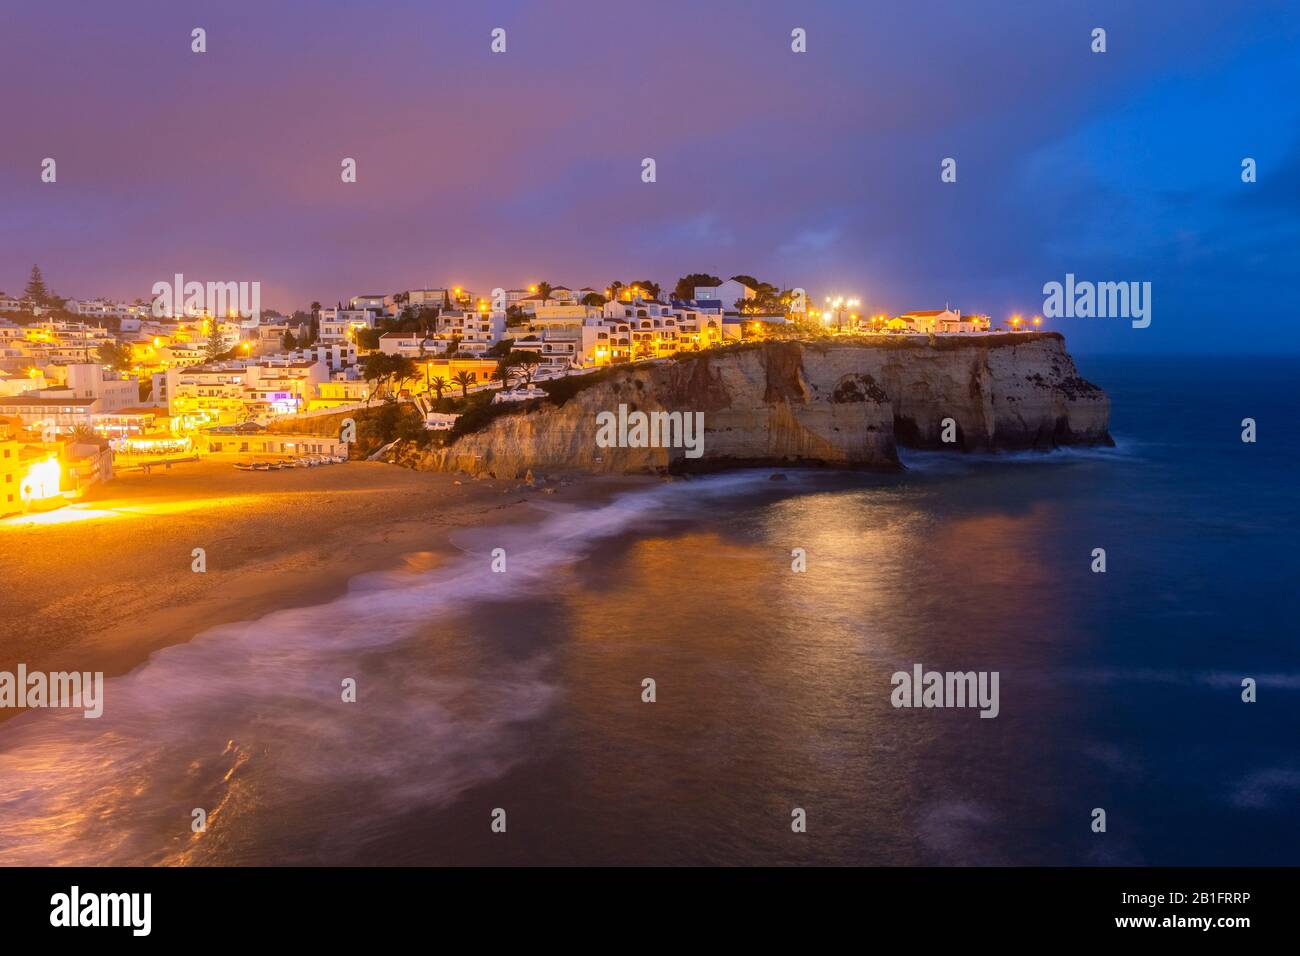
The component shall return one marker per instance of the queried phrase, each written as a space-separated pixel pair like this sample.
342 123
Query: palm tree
544 290
464 380
438 385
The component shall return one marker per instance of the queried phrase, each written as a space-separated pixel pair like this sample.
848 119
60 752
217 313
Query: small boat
261 466
339 459
243 466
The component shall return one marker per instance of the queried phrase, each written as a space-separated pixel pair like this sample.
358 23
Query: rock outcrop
845 402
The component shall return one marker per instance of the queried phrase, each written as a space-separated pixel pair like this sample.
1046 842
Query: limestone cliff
844 402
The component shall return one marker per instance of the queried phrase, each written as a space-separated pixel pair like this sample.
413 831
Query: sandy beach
100 584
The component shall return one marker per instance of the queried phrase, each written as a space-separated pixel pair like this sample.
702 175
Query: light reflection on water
523 691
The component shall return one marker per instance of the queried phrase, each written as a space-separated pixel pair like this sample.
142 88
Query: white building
335 356
113 392
375 303
476 332
282 387
341 325
728 293
427 298
938 321
61 414
411 344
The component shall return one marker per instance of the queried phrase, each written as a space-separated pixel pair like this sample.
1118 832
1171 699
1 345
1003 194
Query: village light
41 481
1038 320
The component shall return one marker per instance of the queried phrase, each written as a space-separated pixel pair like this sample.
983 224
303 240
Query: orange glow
42 480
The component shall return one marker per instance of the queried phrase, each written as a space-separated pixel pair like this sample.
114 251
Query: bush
560 390
479 412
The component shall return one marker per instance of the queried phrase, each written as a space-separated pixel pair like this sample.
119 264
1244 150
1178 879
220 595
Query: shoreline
272 541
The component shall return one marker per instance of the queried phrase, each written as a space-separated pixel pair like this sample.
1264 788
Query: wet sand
99 585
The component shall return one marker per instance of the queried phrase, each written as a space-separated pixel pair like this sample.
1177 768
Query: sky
819 169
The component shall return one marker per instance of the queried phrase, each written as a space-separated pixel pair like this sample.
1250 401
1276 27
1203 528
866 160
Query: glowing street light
838 307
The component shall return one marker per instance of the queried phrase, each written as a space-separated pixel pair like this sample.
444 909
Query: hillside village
89 385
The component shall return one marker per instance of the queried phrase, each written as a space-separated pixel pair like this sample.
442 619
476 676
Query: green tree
402 370
438 385
464 379
648 287
500 349
505 365
525 362
544 290
115 355
288 342
368 339
687 284
216 341
376 369
593 299
36 290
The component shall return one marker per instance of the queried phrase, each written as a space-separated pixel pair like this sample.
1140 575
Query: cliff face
845 403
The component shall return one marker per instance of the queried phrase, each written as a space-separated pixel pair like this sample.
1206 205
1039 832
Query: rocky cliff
845 402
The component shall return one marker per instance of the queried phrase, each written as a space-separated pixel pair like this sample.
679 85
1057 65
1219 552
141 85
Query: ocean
518 696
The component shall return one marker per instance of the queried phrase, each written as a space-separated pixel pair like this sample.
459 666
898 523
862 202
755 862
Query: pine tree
36 290
216 341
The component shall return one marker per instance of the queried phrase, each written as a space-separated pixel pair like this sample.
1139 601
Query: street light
837 308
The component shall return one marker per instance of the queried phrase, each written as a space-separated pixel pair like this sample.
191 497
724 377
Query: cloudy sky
817 169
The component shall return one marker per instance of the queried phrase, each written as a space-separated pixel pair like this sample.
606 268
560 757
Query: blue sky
817 169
